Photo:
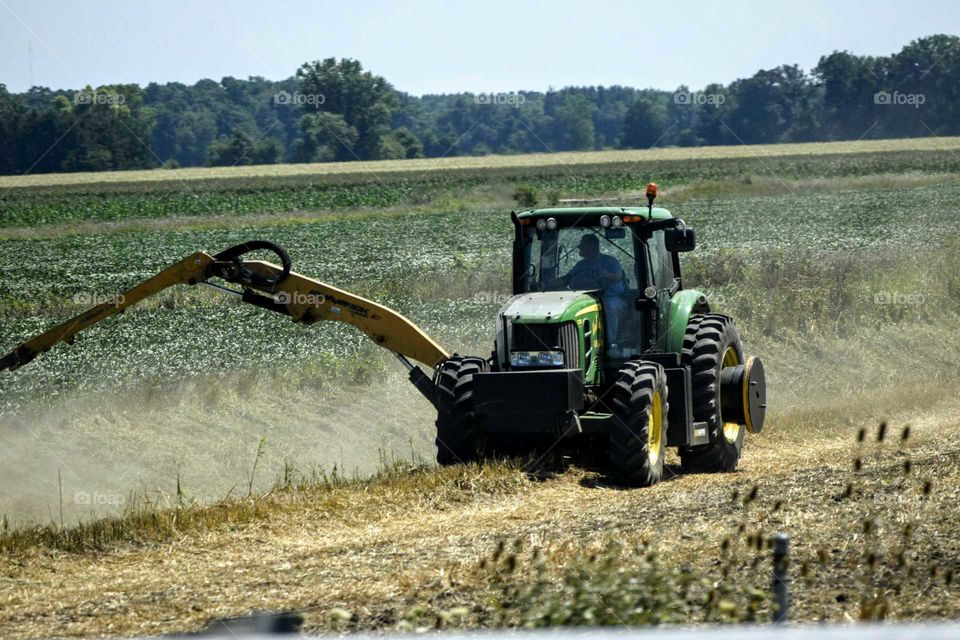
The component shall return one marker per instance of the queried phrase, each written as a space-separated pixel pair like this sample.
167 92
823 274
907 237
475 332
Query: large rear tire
460 438
639 431
711 343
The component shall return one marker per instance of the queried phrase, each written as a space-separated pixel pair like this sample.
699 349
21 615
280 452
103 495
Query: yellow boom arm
303 299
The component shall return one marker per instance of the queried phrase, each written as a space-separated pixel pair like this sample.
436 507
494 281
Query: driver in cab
598 271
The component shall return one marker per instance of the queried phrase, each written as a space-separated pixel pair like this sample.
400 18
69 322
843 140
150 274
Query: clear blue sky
431 46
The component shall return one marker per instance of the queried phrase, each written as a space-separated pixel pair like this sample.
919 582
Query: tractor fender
684 304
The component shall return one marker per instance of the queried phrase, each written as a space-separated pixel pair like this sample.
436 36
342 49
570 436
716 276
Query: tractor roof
658 212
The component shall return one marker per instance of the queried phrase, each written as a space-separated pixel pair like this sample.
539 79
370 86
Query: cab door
666 283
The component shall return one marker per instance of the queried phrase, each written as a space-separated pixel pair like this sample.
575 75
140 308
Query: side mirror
680 240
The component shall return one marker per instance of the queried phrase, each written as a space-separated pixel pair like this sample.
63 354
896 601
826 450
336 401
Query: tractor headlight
536 358
617 222
604 221
541 224
551 223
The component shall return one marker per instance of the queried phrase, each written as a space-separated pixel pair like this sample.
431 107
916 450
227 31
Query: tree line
334 110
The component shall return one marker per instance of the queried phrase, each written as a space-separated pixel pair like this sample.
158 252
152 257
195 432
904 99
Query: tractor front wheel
639 432
460 437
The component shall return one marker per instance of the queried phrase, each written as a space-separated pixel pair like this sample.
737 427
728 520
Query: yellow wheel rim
655 428
731 430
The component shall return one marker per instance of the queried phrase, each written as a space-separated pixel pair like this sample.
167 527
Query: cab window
661 262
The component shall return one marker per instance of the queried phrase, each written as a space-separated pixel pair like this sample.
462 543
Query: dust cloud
96 454
109 449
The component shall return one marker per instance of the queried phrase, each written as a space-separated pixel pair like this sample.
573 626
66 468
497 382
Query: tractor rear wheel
639 432
711 343
460 437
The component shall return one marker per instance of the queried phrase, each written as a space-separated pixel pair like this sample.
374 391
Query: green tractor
602 347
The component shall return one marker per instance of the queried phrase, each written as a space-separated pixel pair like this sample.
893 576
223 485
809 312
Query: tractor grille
542 337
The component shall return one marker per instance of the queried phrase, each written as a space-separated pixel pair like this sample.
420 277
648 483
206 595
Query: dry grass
415 546
396 488
347 171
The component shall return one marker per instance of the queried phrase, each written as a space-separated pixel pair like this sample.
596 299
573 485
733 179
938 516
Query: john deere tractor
600 346
601 343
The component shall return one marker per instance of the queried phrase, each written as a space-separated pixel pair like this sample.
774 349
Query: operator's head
589 246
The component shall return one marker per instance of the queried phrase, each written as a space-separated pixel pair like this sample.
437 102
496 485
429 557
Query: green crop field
442 184
841 264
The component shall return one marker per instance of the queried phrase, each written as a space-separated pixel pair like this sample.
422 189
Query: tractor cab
624 258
